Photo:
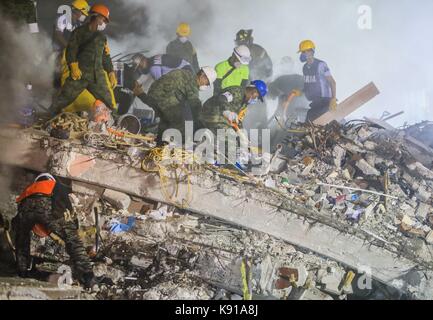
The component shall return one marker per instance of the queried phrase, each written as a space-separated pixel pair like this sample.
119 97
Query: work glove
75 71
333 104
138 89
231 116
297 93
113 79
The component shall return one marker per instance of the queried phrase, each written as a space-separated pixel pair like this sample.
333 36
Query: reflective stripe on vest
38 188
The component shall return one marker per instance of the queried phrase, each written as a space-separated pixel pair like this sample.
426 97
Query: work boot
89 280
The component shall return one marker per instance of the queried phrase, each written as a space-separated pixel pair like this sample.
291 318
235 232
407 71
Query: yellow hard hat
82 6
306 45
184 30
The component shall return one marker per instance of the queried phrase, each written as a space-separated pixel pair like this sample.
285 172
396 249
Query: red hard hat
102 10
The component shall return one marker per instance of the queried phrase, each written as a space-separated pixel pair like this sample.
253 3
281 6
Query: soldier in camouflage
175 98
46 204
88 57
230 106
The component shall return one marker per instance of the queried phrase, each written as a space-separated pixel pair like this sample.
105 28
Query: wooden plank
349 105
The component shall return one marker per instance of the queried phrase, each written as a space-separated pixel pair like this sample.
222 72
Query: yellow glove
297 93
75 71
113 79
333 104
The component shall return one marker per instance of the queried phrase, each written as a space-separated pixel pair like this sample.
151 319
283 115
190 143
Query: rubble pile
358 179
362 176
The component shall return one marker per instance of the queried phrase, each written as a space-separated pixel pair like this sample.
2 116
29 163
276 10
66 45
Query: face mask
303 57
101 27
204 88
183 39
82 18
253 101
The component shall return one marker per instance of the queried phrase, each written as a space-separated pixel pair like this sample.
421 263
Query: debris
160 214
117 227
429 237
367 169
117 199
349 105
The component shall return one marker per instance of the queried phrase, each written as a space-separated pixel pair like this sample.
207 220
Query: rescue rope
172 164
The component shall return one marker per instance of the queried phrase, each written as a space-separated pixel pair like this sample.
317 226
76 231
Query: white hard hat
243 54
210 74
45 175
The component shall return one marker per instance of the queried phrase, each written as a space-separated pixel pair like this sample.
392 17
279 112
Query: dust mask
237 65
253 101
204 88
101 27
183 39
82 18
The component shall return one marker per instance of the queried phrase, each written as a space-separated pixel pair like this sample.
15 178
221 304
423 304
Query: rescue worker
230 106
233 72
182 47
261 64
44 206
159 65
319 86
175 98
66 23
89 61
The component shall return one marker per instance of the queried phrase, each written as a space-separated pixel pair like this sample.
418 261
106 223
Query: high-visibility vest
44 188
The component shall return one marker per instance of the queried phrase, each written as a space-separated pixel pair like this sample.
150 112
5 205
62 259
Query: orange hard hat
40 230
102 10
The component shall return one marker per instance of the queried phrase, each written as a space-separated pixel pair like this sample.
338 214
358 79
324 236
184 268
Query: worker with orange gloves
319 85
44 206
89 61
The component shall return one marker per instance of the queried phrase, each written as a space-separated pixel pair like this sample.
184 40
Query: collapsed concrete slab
244 205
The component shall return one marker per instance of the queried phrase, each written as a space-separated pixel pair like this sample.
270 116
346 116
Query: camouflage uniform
231 99
184 51
175 99
50 212
91 52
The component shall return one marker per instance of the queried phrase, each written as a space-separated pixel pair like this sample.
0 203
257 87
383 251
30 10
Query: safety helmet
82 6
210 74
261 87
243 54
45 175
306 45
183 29
244 36
101 10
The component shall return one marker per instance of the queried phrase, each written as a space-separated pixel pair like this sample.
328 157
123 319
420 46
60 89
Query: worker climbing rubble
89 61
175 98
46 207
234 71
319 85
261 64
182 47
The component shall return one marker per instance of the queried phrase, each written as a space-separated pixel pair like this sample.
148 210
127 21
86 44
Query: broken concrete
119 200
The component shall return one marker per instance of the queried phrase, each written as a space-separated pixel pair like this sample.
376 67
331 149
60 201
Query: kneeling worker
45 204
